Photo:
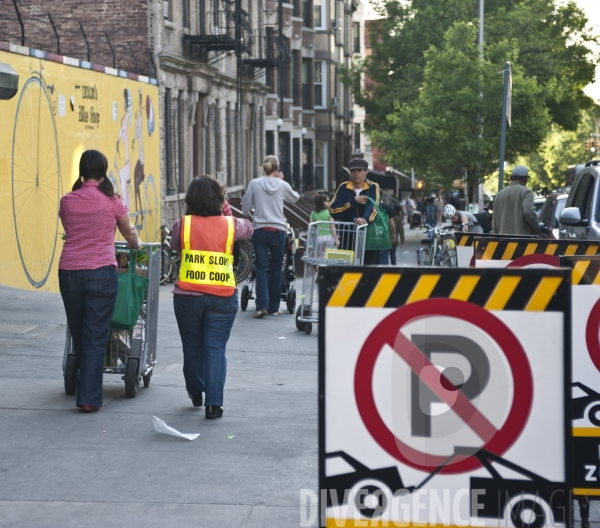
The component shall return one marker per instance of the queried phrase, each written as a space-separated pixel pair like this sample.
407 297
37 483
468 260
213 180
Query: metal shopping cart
130 353
327 244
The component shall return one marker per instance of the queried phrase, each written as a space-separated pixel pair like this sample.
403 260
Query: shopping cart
322 250
130 353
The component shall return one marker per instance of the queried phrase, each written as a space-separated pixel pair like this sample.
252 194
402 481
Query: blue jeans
89 297
268 253
388 256
205 323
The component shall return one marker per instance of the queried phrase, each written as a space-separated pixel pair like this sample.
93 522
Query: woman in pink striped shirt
87 270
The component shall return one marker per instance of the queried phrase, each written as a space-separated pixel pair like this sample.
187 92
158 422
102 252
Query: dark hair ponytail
93 166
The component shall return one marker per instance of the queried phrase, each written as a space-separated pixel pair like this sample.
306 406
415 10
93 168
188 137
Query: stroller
288 275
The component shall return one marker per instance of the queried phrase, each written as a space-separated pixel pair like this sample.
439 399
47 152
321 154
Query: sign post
506 116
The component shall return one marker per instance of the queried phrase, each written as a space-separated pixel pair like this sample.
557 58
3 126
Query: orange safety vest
207 255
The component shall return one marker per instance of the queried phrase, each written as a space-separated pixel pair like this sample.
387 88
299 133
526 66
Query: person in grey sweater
267 195
514 210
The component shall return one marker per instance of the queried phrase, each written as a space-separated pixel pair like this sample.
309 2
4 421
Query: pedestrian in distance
351 203
205 297
327 237
399 224
267 195
439 202
87 270
431 212
514 209
388 256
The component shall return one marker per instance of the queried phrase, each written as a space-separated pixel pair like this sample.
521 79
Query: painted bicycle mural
62 108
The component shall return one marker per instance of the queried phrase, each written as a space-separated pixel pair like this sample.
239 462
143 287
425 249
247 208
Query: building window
306 18
319 14
217 137
296 11
320 165
168 146
181 183
356 37
167 9
270 143
356 138
306 84
320 84
295 77
186 13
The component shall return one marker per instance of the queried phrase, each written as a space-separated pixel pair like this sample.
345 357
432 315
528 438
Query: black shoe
196 399
213 411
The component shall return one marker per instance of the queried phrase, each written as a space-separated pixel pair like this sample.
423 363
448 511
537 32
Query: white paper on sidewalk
161 427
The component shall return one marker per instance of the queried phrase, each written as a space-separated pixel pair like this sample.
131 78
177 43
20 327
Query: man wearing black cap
514 211
350 202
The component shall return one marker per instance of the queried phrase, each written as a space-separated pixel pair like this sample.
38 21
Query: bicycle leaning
439 248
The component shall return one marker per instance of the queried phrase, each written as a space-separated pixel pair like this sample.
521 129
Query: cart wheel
307 328
299 325
244 299
291 302
70 376
147 379
131 377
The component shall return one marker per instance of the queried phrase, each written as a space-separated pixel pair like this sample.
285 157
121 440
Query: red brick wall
125 21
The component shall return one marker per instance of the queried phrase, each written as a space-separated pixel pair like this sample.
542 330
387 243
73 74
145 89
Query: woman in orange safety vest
205 295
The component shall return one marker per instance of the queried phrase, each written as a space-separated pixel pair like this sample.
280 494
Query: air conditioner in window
335 102
335 23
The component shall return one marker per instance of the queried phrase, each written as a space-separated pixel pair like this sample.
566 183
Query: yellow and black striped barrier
586 270
468 239
465 243
524 290
512 248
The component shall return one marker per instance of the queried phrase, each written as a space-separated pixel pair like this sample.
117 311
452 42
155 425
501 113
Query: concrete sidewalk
60 467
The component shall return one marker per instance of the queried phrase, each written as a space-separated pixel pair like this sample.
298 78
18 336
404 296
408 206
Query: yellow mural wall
60 111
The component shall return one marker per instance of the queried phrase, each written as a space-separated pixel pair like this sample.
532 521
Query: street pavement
60 467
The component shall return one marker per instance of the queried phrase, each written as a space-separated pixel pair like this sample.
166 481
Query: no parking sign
439 402
586 373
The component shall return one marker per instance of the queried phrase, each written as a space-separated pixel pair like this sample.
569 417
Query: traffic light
590 144
420 184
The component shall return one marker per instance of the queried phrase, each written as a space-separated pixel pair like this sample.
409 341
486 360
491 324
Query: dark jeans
89 297
388 256
268 253
205 323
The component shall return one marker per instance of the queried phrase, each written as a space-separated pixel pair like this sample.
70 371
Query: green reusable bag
378 231
132 289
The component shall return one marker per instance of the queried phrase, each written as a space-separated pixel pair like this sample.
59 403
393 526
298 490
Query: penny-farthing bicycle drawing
36 178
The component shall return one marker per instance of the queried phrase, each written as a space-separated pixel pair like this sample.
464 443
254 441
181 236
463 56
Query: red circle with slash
388 332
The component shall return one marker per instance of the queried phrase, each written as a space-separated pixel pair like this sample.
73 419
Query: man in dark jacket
351 203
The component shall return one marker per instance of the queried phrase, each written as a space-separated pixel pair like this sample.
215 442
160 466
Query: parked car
580 219
550 214
538 203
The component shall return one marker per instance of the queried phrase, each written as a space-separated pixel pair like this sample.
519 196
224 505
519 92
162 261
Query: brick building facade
280 63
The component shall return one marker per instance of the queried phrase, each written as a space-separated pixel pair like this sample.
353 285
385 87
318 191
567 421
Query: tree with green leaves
434 104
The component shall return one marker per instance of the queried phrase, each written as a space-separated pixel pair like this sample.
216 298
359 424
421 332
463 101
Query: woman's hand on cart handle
360 221
129 233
